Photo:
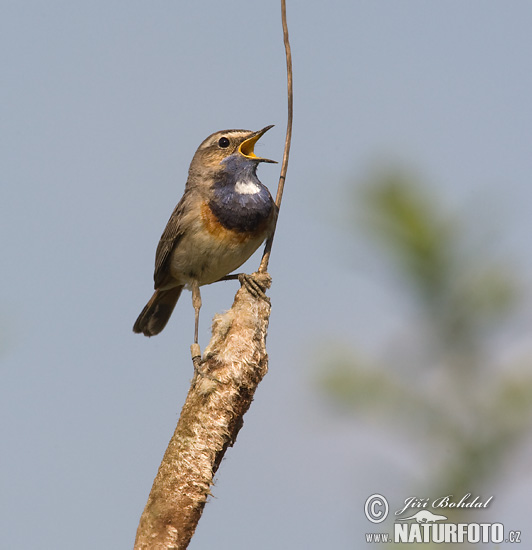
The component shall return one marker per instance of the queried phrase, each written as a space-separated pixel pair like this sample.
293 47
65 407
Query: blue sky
102 106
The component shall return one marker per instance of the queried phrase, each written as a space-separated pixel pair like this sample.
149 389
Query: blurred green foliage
459 292
472 411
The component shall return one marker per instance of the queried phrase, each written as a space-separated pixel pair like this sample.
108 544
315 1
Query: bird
224 215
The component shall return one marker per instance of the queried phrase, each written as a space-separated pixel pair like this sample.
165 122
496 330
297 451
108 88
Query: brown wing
169 240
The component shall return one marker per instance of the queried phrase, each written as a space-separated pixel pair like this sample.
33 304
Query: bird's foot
256 284
195 352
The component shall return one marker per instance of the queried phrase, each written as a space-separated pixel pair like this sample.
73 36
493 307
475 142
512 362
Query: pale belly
204 257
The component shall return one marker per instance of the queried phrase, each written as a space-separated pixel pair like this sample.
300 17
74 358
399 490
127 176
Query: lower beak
246 148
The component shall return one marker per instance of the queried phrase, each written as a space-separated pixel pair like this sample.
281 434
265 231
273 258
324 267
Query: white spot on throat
246 187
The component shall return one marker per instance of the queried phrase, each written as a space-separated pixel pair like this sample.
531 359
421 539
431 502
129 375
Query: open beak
247 146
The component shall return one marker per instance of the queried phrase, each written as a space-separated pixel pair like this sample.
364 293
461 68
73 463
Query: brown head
221 145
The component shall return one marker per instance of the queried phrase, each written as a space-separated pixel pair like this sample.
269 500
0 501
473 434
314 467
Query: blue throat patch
242 212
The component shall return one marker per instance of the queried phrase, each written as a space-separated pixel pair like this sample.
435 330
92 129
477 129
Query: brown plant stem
233 364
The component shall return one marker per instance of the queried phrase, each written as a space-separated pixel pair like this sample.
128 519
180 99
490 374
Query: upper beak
247 146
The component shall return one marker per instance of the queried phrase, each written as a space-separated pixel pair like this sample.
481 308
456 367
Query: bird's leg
232 277
195 349
196 302
253 283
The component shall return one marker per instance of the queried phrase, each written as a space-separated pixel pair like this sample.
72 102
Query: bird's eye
223 142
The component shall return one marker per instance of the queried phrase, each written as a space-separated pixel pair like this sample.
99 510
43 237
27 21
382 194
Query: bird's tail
157 311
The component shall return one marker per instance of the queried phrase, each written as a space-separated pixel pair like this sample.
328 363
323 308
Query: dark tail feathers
157 311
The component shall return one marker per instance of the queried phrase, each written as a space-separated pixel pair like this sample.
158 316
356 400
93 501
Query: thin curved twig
284 166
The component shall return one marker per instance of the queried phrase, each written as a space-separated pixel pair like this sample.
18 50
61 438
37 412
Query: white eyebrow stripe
246 187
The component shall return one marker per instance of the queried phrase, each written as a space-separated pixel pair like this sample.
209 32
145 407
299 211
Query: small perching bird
223 217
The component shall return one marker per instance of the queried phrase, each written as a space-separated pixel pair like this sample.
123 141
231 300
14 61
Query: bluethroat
223 217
